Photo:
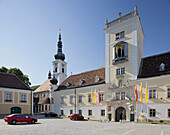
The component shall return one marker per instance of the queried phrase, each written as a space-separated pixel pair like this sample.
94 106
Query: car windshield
10 115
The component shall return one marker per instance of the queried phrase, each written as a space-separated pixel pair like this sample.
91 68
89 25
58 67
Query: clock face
56 64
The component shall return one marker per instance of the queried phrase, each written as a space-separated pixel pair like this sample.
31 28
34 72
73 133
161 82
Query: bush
161 121
88 118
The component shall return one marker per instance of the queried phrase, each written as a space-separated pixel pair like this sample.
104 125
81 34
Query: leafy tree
18 73
3 69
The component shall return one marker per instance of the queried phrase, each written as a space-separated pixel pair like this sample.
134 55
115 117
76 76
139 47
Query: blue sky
29 32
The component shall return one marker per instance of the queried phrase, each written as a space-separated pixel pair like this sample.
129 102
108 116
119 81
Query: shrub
161 121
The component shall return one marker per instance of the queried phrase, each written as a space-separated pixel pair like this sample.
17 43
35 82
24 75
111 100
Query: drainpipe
75 99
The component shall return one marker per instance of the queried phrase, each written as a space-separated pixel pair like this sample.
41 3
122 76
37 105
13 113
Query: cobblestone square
57 126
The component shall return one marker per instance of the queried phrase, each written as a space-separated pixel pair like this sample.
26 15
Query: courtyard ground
59 126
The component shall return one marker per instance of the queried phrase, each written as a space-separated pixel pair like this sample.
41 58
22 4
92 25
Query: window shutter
113 53
126 49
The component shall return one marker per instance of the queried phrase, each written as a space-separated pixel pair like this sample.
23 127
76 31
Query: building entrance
15 110
120 114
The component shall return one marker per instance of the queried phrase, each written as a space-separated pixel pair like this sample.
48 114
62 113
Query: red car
76 117
14 118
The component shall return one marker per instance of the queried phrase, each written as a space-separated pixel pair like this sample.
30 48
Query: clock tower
59 65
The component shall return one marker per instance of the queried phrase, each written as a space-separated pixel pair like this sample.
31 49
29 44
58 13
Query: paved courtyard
57 126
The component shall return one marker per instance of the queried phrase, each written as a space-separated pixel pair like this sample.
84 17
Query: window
67 84
168 94
120 35
46 107
62 100
168 112
71 111
96 79
162 67
120 95
123 70
152 93
62 112
89 112
56 69
62 70
102 112
89 98
23 97
101 96
120 52
80 112
71 99
81 81
118 71
62 65
80 99
152 113
117 95
42 107
8 96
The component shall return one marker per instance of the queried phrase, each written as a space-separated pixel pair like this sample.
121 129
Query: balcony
119 60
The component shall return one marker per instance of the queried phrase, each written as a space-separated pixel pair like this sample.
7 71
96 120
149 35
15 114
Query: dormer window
67 84
81 81
96 78
162 67
120 52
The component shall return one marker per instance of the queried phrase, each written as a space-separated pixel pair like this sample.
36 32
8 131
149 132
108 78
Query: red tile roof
12 81
88 78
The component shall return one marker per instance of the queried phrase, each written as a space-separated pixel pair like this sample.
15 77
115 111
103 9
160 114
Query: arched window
120 52
56 69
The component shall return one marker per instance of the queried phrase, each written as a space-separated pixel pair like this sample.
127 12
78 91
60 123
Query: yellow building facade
15 96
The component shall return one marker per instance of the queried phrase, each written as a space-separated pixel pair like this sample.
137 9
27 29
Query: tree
3 69
18 73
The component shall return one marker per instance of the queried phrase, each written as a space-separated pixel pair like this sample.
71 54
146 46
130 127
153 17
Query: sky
29 32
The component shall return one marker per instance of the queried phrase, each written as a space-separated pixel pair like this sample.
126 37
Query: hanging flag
99 95
91 95
94 99
141 92
146 92
136 92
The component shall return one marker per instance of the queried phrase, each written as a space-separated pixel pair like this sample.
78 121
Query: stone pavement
59 126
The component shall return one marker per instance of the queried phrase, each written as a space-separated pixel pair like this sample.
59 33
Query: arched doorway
120 114
15 110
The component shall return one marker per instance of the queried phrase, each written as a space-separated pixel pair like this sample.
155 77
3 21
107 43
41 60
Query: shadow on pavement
48 117
25 124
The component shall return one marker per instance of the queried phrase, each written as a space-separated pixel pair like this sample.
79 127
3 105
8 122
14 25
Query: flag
99 95
94 99
141 92
91 95
146 92
136 92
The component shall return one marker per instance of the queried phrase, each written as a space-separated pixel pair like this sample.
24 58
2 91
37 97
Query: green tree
18 73
3 69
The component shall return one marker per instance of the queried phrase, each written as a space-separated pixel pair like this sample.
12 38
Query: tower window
120 52
62 70
120 35
56 69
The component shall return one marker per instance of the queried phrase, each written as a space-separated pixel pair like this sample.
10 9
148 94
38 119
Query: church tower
123 48
59 65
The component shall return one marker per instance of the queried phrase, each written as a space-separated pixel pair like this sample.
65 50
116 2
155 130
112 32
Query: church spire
59 54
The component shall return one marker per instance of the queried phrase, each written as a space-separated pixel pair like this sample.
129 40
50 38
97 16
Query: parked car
14 118
50 114
76 117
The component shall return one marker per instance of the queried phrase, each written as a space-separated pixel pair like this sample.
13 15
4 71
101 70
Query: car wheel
13 122
9 123
71 119
33 121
